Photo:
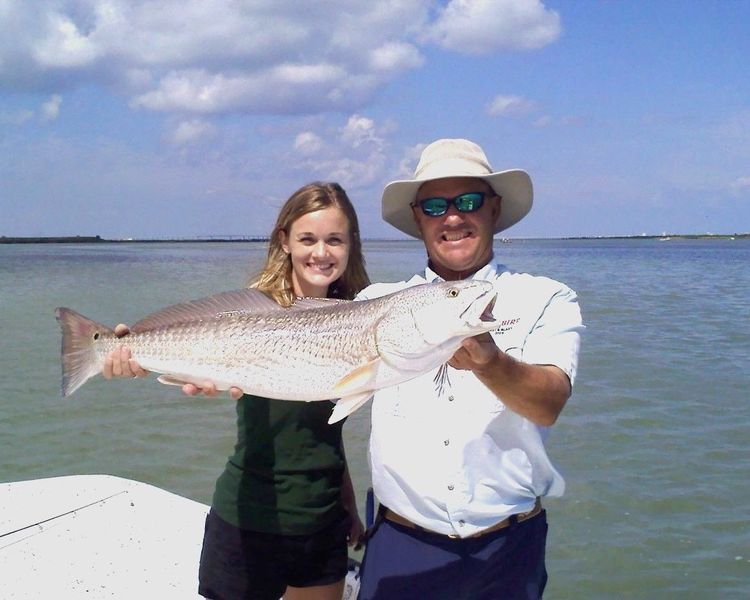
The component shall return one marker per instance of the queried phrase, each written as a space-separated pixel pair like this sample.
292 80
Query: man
460 472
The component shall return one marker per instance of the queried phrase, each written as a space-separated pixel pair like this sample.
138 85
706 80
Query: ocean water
654 443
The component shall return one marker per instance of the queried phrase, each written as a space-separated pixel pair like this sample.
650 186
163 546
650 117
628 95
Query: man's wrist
492 365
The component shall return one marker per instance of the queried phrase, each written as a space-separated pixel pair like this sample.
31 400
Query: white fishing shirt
459 461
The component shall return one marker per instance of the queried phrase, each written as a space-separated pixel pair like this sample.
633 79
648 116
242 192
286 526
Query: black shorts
236 563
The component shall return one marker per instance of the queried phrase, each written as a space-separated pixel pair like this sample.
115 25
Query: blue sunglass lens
466 203
434 207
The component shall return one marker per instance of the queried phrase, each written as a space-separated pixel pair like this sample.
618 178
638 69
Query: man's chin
460 257
456 260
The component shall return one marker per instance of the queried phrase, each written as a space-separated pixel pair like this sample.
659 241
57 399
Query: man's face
457 243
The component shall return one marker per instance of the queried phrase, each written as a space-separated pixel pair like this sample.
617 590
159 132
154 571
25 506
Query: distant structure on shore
97 239
77 239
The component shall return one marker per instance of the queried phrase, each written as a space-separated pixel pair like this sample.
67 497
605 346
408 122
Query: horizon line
255 238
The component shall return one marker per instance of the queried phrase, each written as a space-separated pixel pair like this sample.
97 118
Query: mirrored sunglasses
465 203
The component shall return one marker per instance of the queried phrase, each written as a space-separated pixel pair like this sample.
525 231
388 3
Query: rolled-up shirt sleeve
556 336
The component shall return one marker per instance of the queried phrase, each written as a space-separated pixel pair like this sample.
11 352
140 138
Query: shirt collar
488 272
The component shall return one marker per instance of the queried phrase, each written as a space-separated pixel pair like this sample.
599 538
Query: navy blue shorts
239 564
401 563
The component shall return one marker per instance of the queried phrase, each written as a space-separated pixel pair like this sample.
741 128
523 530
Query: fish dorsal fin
235 301
358 378
304 303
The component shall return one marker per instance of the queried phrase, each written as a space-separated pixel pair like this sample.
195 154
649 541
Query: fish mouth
486 315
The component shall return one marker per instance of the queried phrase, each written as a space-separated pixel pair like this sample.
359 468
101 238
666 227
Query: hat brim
513 186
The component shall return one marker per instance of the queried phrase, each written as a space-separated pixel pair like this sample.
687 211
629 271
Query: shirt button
446 442
450 487
450 398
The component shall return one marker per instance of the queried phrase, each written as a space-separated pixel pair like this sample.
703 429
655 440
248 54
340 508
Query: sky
194 118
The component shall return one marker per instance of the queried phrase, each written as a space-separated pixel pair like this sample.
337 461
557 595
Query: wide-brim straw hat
457 158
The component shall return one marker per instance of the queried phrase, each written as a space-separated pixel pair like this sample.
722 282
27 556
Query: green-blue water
653 444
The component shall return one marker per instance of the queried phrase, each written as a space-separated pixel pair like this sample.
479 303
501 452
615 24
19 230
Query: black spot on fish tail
78 356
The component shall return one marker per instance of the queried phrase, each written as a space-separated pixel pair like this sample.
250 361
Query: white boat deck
97 536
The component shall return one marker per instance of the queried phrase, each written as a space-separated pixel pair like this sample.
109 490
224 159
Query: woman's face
319 245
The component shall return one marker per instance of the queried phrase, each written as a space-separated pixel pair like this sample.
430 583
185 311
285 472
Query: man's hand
537 392
475 353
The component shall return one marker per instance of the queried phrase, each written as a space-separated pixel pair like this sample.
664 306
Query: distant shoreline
96 239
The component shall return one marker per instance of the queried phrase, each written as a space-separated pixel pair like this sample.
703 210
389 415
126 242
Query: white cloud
353 173
189 132
280 57
740 186
408 162
308 143
359 130
504 106
51 108
483 26
395 56
285 88
63 45
353 155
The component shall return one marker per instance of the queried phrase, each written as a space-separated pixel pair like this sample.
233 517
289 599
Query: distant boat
664 239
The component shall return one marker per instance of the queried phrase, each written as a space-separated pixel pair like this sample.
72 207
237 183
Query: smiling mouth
320 268
455 236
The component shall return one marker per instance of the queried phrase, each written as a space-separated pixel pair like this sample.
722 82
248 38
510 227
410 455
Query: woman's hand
120 363
356 531
208 388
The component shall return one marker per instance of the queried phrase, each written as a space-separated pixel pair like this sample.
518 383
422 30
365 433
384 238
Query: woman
284 507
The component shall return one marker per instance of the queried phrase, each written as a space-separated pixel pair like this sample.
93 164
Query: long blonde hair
275 279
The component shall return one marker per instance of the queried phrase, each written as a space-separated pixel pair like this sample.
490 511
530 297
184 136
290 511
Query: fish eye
96 335
453 292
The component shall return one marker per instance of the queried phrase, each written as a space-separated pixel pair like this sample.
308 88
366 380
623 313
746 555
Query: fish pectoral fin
167 380
358 378
346 406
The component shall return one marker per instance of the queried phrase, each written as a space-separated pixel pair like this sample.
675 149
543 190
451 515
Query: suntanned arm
537 392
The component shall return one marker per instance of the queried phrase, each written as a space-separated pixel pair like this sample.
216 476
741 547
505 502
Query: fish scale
317 350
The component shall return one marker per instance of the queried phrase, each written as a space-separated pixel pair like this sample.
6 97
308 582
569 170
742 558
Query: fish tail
78 356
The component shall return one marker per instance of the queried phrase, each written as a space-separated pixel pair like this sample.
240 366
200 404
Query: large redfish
317 349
